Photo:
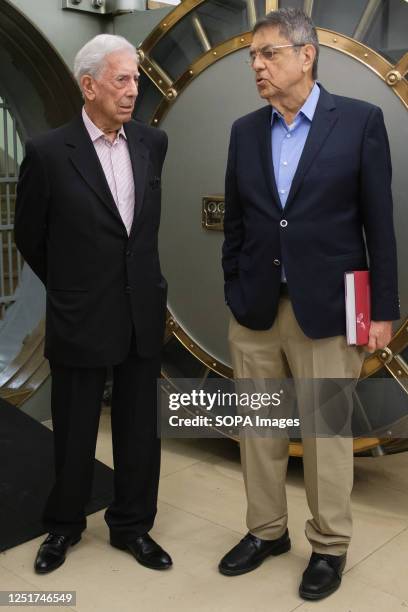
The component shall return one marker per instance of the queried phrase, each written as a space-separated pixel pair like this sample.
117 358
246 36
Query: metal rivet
365 54
191 345
242 39
399 373
384 355
149 70
214 365
214 53
191 72
160 81
97 3
164 25
334 39
155 121
171 322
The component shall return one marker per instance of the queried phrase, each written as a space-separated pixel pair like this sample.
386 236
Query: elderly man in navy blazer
87 220
308 176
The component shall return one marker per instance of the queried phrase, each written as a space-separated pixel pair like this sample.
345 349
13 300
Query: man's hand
379 336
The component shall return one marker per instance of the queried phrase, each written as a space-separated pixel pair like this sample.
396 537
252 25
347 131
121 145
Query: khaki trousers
280 352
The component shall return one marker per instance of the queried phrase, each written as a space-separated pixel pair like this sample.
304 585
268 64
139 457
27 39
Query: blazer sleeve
233 221
164 146
30 224
377 217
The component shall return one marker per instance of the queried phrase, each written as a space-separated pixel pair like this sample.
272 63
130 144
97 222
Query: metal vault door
37 93
195 84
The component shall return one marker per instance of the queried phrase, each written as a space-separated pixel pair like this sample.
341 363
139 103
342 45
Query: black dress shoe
250 552
322 576
52 551
146 551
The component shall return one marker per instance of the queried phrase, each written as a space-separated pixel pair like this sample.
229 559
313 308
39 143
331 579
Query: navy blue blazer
339 209
101 283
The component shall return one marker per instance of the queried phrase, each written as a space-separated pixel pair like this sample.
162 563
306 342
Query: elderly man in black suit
308 189
87 219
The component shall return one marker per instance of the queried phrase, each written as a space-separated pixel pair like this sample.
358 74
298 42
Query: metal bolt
76 1
97 3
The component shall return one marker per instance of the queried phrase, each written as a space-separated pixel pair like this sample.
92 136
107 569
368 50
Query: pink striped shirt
115 160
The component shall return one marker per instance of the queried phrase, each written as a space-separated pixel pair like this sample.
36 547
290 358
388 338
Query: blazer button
128 253
283 223
276 262
127 289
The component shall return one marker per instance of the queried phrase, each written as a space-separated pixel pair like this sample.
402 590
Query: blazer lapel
264 134
85 159
323 122
139 157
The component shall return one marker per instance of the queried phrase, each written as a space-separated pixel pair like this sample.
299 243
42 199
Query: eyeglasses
267 53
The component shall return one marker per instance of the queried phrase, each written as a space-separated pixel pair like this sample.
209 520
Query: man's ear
88 87
309 54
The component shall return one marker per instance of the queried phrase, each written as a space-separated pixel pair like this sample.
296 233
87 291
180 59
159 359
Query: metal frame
10 259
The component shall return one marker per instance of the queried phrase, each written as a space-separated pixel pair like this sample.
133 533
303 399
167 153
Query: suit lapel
139 157
323 122
85 159
264 134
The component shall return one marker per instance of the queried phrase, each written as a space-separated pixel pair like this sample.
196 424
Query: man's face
278 75
113 94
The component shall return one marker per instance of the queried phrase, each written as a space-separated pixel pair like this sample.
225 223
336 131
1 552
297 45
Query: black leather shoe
52 551
146 551
322 576
250 552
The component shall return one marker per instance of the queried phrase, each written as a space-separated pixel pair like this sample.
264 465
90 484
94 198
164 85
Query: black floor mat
27 475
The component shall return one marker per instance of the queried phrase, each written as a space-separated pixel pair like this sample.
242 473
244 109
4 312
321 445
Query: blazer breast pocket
155 183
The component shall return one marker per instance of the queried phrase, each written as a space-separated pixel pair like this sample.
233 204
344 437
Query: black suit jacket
100 282
341 190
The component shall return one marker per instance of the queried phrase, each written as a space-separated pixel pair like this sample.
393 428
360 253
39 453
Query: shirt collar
309 107
93 131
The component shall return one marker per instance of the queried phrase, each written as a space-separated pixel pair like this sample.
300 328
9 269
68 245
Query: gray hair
90 59
295 26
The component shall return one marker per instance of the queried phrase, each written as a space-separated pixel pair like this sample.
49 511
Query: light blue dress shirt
288 142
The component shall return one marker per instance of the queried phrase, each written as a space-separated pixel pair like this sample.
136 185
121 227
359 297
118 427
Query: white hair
90 59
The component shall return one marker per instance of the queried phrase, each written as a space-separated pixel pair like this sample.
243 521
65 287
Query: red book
358 306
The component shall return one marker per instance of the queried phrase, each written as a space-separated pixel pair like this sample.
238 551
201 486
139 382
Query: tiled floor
201 515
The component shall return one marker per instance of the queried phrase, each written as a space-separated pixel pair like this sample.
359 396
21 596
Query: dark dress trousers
106 307
340 191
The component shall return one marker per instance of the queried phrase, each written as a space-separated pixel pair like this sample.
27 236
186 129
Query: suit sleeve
233 222
32 201
377 213
165 144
